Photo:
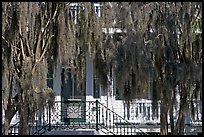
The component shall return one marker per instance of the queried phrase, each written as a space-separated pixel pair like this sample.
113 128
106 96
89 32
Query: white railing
140 111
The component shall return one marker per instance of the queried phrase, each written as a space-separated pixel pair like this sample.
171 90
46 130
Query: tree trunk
163 119
9 114
23 125
182 125
7 124
171 119
179 128
23 113
8 106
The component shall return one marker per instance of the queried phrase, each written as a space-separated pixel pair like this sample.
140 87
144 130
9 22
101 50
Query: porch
94 117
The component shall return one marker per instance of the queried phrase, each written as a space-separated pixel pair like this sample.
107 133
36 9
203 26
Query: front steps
73 132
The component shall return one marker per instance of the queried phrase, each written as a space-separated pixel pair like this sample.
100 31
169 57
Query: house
94 106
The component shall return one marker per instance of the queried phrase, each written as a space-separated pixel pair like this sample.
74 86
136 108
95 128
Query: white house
73 106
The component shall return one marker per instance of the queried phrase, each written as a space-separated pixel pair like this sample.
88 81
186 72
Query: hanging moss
148 48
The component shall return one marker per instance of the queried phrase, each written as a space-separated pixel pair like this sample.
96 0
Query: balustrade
95 115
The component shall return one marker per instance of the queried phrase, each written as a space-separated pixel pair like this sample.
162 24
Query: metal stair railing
93 115
39 129
114 123
13 130
34 128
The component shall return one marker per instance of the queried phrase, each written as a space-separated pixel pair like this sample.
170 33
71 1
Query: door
73 100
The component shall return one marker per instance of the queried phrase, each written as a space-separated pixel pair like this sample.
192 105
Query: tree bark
171 118
7 124
163 119
23 114
179 128
23 125
10 107
9 114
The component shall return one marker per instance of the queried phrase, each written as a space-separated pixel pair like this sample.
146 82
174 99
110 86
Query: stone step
73 132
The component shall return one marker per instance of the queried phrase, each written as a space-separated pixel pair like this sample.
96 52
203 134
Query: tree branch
21 40
27 45
40 38
45 48
48 22
5 39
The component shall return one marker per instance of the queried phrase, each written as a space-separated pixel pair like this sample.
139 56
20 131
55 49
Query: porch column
150 111
89 77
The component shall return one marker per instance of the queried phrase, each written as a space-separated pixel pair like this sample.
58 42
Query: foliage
158 46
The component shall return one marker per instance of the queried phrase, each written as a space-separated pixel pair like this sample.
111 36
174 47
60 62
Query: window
96 88
98 9
76 9
50 77
69 86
